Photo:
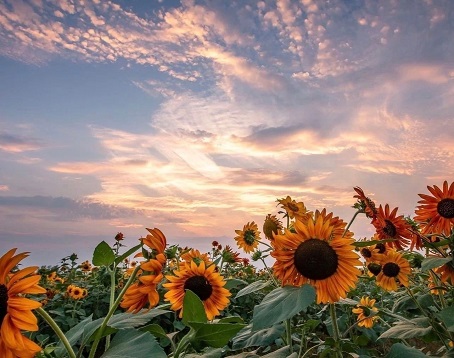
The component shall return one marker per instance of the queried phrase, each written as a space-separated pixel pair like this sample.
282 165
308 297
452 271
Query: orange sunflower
446 272
390 226
294 209
156 240
436 213
271 225
318 254
204 281
194 255
394 268
365 203
248 238
366 312
15 309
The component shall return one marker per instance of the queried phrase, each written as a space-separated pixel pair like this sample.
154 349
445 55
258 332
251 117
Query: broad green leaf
283 352
432 262
231 319
103 255
253 287
127 253
447 317
130 343
73 335
417 327
399 350
215 335
281 304
193 309
234 283
157 331
265 337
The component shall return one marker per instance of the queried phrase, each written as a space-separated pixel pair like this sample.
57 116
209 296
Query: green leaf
416 327
447 317
157 331
283 352
281 304
193 309
234 283
103 255
215 335
432 262
73 335
399 350
127 253
130 343
264 337
253 287
370 243
231 319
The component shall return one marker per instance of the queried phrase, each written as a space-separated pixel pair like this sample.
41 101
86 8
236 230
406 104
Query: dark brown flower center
316 259
200 286
249 236
374 268
445 208
381 248
3 302
366 252
390 229
391 269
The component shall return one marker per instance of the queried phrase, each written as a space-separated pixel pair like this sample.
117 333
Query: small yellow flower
366 311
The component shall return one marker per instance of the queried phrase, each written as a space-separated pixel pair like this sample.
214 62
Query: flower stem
57 330
110 313
336 333
351 222
288 328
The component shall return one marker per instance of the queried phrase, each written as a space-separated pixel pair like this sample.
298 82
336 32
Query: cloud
14 143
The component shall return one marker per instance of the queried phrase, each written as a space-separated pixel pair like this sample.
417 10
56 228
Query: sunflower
365 204
194 255
393 268
318 254
390 226
204 281
15 309
294 209
436 213
248 238
156 240
271 225
373 253
446 272
86 266
366 312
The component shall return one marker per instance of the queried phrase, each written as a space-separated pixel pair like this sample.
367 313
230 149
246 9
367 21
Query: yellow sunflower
204 281
394 268
294 209
271 225
436 213
15 309
318 254
366 312
390 226
85 266
248 238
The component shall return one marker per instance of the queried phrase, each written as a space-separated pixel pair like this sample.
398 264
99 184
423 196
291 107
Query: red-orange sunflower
15 309
390 226
156 240
436 213
318 254
204 281
366 204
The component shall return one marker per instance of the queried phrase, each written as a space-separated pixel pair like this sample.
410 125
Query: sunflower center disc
249 237
200 286
391 269
3 302
445 208
366 253
390 229
316 259
381 248
374 268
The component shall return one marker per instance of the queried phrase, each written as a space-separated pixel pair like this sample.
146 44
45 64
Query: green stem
351 222
270 274
112 295
336 333
288 328
57 330
111 312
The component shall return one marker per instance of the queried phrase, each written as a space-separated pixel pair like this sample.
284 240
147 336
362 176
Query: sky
195 116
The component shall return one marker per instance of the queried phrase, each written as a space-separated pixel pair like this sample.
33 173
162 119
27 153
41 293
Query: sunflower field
300 285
